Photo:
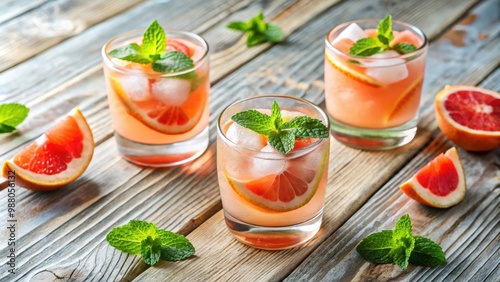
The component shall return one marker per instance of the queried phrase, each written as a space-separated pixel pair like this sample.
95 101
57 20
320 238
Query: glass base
374 139
274 238
163 155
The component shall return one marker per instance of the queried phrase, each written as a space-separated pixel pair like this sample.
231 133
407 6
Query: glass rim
275 155
408 56
140 32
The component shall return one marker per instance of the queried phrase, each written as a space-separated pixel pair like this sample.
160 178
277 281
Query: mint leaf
274 33
403 241
132 53
307 127
427 253
239 26
11 115
377 247
151 250
384 30
255 38
154 40
173 61
276 115
255 121
258 31
400 256
141 237
282 141
404 48
128 238
403 227
366 47
174 247
257 23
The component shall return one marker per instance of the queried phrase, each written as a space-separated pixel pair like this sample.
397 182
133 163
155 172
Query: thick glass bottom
163 155
274 238
374 139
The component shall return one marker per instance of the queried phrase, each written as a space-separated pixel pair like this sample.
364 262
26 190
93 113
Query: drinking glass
159 119
270 200
373 102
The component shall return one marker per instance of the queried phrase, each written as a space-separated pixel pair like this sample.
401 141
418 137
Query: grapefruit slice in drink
409 98
290 189
164 118
440 184
352 72
469 116
56 158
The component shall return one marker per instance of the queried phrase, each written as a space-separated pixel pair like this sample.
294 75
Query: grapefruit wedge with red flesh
56 158
164 118
469 116
440 184
288 190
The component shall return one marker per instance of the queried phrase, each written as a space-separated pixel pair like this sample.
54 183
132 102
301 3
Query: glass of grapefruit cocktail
272 200
373 99
159 118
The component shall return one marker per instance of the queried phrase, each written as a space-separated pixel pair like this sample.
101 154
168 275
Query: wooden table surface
50 60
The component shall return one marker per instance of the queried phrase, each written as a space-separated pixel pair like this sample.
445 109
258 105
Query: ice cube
389 70
264 163
352 32
245 137
136 87
171 91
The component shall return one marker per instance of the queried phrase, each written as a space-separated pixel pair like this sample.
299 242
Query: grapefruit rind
153 123
417 192
239 187
464 137
360 77
42 182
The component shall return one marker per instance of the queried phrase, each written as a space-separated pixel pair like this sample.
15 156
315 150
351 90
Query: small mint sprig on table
258 31
12 115
401 247
281 136
152 50
141 237
370 46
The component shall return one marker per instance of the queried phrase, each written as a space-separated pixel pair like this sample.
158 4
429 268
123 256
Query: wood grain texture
14 8
346 191
46 25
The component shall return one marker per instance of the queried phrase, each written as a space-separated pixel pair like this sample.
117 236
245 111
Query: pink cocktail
373 101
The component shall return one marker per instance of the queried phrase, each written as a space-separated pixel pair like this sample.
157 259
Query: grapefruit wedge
168 119
439 184
351 72
56 158
288 190
469 116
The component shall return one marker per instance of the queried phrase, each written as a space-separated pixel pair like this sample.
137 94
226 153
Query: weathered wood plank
13 8
345 192
33 32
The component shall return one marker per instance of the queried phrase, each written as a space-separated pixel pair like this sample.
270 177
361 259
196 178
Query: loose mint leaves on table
401 247
152 50
11 115
370 46
258 31
281 136
141 237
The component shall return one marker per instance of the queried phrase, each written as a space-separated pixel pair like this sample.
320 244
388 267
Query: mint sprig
152 50
281 136
401 247
258 31
141 237
369 46
11 115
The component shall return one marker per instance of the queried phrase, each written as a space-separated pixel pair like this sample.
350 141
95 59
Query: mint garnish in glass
281 136
401 247
152 50
369 46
